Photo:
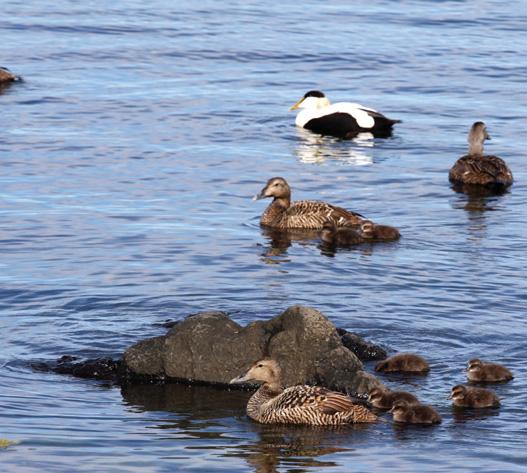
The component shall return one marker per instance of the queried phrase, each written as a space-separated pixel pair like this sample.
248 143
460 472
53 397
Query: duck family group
315 405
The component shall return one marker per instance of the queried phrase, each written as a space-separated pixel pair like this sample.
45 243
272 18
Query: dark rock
364 350
211 348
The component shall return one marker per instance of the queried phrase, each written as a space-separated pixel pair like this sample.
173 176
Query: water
129 157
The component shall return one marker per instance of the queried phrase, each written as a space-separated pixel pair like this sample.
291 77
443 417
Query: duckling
403 363
7 76
312 405
339 236
476 398
372 232
476 169
481 372
414 414
303 214
385 399
343 120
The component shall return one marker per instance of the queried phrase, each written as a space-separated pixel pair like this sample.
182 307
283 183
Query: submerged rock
211 348
363 349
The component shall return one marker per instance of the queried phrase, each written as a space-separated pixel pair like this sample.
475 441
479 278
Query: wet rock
98 368
364 350
211 348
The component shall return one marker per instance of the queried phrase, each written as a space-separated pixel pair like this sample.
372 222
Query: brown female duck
475 169
303 214
403 363
481 372
385 399
370 231
475 398
414 413
312 405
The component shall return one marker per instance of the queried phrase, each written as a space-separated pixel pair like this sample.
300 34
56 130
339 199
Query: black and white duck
341 119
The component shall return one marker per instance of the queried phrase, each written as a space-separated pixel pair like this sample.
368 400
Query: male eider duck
339 236
403 363
480 372
474 398
385 399
303 214
342 119
311 405
6 76
414 413
370 231
478 170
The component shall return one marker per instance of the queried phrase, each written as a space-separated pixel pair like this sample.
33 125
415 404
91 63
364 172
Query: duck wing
321 399
480 170
313 214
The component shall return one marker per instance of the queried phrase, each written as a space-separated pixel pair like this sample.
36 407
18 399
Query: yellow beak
296 105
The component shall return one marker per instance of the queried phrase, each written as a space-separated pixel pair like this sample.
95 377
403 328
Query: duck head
313 99
474 365
458 393
276 187
399 407
266 371
477 135
367 229
375 395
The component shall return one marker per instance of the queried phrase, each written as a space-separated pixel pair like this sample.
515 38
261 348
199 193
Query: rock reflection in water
313 148
205 412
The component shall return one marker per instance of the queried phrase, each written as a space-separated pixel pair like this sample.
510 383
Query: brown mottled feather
481 170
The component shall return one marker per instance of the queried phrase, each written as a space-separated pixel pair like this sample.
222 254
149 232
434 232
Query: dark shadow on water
461 415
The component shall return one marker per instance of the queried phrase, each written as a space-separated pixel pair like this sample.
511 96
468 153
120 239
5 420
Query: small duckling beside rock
403 363
474 398
385 399
481 372
414 413
370 231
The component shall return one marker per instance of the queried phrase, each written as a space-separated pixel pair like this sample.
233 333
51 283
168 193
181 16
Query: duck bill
259 196
450 397
296 105
488 137
240 379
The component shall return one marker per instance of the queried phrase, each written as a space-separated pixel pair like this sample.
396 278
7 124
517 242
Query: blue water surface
129 157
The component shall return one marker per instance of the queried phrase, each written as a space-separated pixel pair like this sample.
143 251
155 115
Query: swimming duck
302 214
403 363
481 372
385 399
414 413
476 169
342 119
370 231
339 236
465 396
312 405
7 76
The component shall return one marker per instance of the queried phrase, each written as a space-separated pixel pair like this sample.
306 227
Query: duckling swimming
475 398
476 169
7 76
385 399
343 119
302 214
481 372
414 414
339 236
312 405
370 231
403 363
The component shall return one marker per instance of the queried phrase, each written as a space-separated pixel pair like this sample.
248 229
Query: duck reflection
461 415
206 412
314 148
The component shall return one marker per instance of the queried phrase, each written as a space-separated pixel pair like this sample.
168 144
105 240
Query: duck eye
260 366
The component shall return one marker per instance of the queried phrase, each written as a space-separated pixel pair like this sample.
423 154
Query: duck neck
275 210
266 392
475 149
